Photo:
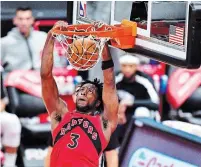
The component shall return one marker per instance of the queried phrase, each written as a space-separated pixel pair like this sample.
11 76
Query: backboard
168 31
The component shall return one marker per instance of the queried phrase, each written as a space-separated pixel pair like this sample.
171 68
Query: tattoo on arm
105 122
57 117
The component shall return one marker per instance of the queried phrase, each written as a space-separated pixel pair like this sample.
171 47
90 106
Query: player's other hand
60 25
98 24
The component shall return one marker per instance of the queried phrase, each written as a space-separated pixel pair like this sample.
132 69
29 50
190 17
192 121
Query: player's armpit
105 122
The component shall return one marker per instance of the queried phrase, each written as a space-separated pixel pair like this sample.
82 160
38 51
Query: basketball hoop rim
112 32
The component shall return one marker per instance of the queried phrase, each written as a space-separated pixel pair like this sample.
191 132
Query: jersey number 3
74 139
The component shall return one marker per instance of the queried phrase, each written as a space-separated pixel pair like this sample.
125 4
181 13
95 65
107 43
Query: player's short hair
23 9
99 85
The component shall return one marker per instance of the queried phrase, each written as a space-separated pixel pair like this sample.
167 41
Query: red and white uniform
78 141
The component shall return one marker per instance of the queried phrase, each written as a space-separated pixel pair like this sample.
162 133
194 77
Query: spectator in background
136 93
10 130
21 48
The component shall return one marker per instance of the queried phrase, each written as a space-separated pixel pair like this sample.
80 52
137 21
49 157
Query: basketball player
110 157
80 136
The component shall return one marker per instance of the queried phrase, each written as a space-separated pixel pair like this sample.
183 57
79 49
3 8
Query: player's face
75 93
86 100
128 69
24 20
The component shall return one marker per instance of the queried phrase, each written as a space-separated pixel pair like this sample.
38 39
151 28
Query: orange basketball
83 53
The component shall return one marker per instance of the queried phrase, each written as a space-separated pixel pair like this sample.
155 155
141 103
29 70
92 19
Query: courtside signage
144 157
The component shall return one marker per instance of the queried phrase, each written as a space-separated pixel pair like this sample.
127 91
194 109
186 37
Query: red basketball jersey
78 141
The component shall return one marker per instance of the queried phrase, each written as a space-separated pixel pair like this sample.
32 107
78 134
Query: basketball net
67 41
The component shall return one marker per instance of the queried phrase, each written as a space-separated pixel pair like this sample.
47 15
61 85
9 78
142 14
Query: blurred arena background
167 133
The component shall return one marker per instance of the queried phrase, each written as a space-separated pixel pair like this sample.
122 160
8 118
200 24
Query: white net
82 51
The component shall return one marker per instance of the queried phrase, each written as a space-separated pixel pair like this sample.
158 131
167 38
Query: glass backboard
168 31
89 11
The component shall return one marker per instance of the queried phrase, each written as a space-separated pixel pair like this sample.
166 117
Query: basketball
83 53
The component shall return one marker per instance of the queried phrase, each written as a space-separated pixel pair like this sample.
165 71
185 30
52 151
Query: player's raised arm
110 98
50 92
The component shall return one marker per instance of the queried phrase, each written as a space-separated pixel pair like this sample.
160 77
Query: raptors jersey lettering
78 141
